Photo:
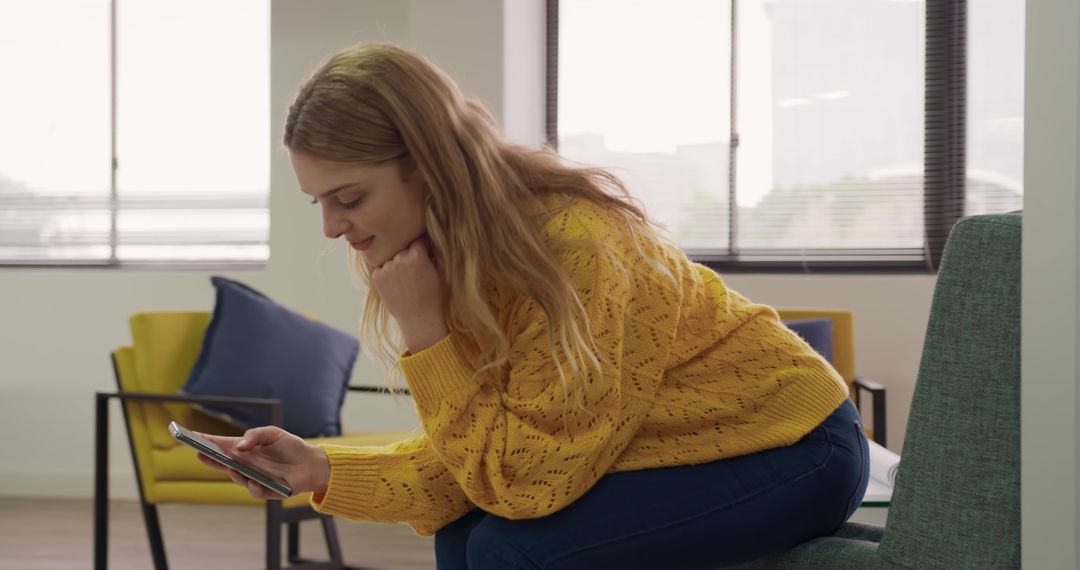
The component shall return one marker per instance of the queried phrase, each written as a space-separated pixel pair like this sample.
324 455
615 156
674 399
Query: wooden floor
58 534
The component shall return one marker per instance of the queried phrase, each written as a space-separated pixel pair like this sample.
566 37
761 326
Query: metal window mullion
113 195
733 145
551 115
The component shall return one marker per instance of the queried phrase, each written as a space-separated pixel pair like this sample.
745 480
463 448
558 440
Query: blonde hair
376 103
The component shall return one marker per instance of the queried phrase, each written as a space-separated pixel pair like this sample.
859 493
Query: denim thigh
699 516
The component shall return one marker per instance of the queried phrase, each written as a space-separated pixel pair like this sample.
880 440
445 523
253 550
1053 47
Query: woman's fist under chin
412 289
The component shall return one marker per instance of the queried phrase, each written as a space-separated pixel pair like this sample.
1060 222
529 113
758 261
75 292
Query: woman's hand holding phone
277 453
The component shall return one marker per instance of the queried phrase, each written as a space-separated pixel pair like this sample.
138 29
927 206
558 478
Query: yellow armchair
149 374
843 360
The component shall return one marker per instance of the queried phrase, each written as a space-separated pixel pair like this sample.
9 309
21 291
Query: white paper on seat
883 467
883 464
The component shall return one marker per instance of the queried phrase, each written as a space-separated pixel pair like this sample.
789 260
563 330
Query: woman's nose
334 227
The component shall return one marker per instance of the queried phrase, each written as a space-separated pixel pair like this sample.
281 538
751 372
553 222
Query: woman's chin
373 260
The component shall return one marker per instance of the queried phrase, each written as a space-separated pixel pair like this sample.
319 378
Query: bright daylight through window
181 110
828 106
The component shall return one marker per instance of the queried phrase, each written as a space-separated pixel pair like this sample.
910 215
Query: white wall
59 326
1050 435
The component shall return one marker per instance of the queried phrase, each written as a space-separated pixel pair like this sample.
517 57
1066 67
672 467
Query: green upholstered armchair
957 498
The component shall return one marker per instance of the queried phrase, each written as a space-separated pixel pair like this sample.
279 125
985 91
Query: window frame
944 146
115 201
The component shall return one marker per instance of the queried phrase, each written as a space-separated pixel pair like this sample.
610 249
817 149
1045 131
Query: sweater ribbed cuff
810 402
352 483
436 372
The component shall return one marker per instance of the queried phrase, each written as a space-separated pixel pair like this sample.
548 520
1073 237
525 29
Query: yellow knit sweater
692 372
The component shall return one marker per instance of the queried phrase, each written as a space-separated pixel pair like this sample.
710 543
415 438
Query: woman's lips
362 245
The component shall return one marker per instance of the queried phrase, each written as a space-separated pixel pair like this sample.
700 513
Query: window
995 125
136 132
793 135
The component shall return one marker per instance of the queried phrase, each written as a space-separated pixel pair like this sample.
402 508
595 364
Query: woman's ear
412 177
407 168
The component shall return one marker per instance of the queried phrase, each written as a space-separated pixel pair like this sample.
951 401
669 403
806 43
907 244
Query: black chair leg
879 418
294 542
276 516
333 547
274 520
153 531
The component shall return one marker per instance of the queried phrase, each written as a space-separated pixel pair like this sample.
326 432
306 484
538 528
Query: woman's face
375 208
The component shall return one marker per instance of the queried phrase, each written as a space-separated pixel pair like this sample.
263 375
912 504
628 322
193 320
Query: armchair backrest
957 496
164 348
843 336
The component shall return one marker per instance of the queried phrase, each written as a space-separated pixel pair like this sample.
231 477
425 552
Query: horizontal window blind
848 122
634 97
56 147
76 229
146 139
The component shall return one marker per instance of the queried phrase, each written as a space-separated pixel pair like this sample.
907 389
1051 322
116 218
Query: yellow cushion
166 345
180 464
215 493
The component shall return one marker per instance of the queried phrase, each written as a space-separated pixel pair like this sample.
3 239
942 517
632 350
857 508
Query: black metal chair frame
276 514
877 393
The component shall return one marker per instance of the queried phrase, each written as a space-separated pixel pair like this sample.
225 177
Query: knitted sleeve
520 445
400 482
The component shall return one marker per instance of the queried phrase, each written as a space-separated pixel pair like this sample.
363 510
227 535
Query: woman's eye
347 204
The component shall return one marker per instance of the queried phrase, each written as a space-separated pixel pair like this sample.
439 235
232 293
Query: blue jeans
698 516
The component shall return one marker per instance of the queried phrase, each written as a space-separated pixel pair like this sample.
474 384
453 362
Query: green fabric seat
957 498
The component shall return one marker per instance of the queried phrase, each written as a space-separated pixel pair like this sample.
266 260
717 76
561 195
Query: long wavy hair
376 103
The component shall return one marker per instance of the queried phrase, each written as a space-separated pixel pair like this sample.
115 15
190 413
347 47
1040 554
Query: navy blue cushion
816 332
255 347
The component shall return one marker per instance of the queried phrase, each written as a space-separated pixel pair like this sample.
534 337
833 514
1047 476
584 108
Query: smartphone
207 448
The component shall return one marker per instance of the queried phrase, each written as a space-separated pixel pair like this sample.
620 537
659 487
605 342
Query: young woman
589 397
